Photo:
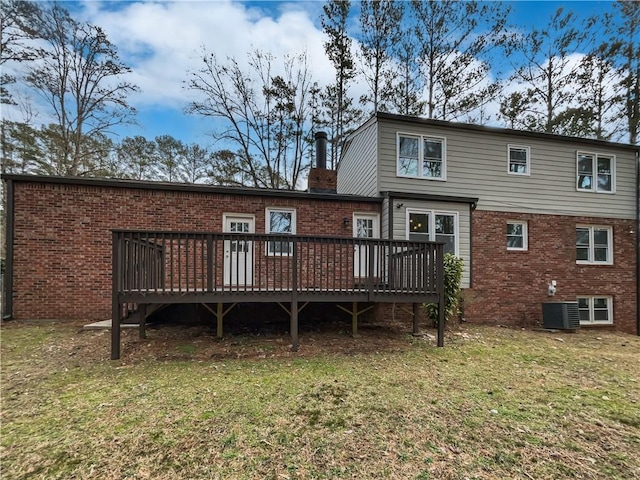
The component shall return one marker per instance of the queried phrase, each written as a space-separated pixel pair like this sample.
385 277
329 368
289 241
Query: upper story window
421 156
433 226
283 222
594 245
595 172
517 236
519 163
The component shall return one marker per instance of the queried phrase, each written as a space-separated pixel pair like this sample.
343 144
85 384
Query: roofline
185 187
500 130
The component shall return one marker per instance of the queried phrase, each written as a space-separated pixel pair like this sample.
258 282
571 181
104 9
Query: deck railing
156 268
232 265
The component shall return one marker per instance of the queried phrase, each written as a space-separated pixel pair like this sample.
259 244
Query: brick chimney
322 180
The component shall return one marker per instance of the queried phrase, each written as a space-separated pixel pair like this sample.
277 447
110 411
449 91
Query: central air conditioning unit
560 315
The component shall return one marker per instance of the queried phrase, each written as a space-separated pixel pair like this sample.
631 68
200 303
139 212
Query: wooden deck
153 269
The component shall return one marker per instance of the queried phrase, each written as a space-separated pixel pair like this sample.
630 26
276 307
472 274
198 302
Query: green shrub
452 290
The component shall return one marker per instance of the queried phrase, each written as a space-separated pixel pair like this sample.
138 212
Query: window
517 236
283 222
595 310
421 156
518 160
595 172
433 226
594 245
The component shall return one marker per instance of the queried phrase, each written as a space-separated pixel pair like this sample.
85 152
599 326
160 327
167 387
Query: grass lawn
495 403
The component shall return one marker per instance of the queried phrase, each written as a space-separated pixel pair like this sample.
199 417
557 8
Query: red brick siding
62 238
509 287
321 179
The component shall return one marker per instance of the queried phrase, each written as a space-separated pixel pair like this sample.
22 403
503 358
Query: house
535 217
92 249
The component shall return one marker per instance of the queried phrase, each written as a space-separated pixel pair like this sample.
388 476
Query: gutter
638 243
7 304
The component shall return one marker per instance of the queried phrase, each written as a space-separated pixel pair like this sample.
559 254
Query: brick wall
62 239
510 286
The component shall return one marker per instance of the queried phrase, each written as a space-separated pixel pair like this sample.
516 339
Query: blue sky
162 40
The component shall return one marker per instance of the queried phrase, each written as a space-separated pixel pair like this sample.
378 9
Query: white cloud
162 41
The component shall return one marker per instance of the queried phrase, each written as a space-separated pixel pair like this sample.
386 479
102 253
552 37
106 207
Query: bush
452 290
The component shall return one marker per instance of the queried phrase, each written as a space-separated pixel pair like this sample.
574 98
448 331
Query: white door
238 254
365 226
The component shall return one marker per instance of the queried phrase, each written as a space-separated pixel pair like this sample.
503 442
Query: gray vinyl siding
357 172
476 166
464 226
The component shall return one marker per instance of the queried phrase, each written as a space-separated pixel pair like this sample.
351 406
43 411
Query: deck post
416 313
441 296
115 301
142 322
354 320
219 319
294 298
294 325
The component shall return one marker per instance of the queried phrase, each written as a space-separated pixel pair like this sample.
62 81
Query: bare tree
455 41
405 89
337 105
16 35
265 116
380 22
547 77
626 40
79 75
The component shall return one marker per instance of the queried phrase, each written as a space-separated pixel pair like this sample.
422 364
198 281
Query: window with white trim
595 172
594 245
517 236
518 159
595 310
282 222
429 225
422 156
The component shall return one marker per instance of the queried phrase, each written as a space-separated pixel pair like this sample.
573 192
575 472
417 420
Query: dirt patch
189 341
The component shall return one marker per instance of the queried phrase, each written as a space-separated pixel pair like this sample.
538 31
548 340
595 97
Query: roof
187 187
495 130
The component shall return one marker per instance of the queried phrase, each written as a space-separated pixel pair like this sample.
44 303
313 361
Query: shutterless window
434 226
421 156
594 310
594 245
519 159
595 172
280 222
517 236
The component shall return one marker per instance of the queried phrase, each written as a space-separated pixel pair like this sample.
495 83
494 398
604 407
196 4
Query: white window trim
267 228
528 166
594 170
525 236
591 228
432 224
376 222
591 299
421 139
245 216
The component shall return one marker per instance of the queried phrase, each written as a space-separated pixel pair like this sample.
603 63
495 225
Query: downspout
638 242
7 305
390 219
